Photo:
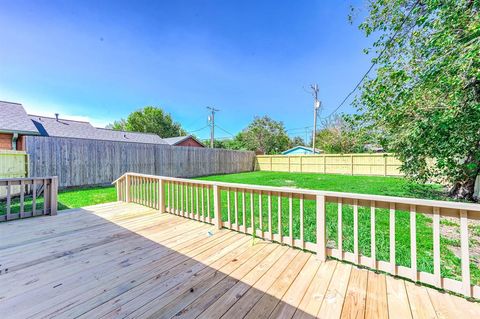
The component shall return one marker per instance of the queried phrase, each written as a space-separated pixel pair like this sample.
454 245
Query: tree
297 141
264 135
150 119
425 95
229 144
340 136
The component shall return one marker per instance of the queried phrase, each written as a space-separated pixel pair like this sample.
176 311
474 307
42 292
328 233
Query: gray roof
178 139
48 126
14 119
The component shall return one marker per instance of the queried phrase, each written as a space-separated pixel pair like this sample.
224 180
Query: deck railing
355 223
28 197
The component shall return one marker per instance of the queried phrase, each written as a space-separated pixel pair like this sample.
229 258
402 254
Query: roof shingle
48 126
14 119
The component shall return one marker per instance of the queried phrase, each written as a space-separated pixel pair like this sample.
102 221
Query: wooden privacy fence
82 162
302 218
37 196
352 164
13 164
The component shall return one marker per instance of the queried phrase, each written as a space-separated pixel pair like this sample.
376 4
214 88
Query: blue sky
100 60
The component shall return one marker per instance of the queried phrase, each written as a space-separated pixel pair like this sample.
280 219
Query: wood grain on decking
123 260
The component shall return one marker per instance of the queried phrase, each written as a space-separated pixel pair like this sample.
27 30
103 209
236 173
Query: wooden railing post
217 208
53 196
127 188
321 229
161 195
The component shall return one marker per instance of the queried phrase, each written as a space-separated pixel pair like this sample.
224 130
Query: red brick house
188 140
14 125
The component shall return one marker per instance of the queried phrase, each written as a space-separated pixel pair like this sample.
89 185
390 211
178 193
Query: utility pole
211 119
316 107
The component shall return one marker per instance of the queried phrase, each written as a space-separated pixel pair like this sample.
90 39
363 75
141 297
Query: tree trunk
464 190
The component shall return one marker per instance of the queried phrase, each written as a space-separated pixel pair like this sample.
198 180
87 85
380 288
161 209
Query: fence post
53 196
385 164
321 229
161 196
217 208
351 164
127 188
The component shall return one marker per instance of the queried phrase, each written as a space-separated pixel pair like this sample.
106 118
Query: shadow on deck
128 261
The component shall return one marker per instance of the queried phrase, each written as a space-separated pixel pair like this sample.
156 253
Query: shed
301 150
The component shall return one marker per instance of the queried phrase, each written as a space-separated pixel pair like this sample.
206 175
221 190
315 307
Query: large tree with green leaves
264 135
150 119
425 94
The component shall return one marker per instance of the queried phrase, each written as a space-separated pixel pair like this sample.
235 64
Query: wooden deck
128 261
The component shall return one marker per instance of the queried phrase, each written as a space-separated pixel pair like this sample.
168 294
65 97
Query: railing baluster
182 199
373 246
235 207
252 216
167 186
22 198
321 228
393 265
177 197
355 232
270 215
34 197
302 238
436 247
196 202
217 207
203 203
208 205
9 201
466 285
244 212
260 214
279 221
192 201
228 208
413 242
340 227
45 197
290 218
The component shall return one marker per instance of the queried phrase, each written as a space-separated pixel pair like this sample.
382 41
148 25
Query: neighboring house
188 140
372 148
14 125
57 127
301 150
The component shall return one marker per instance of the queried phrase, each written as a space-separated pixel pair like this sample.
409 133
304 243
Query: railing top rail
14 179
368 197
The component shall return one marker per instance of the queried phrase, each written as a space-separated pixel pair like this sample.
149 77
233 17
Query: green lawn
71 198
391 186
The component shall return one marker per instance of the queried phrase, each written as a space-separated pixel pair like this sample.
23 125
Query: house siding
189 142
6 142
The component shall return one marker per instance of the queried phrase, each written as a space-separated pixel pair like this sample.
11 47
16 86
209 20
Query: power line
198 129
225 130
375 61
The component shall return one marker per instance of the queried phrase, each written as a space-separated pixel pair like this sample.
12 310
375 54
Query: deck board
123 260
